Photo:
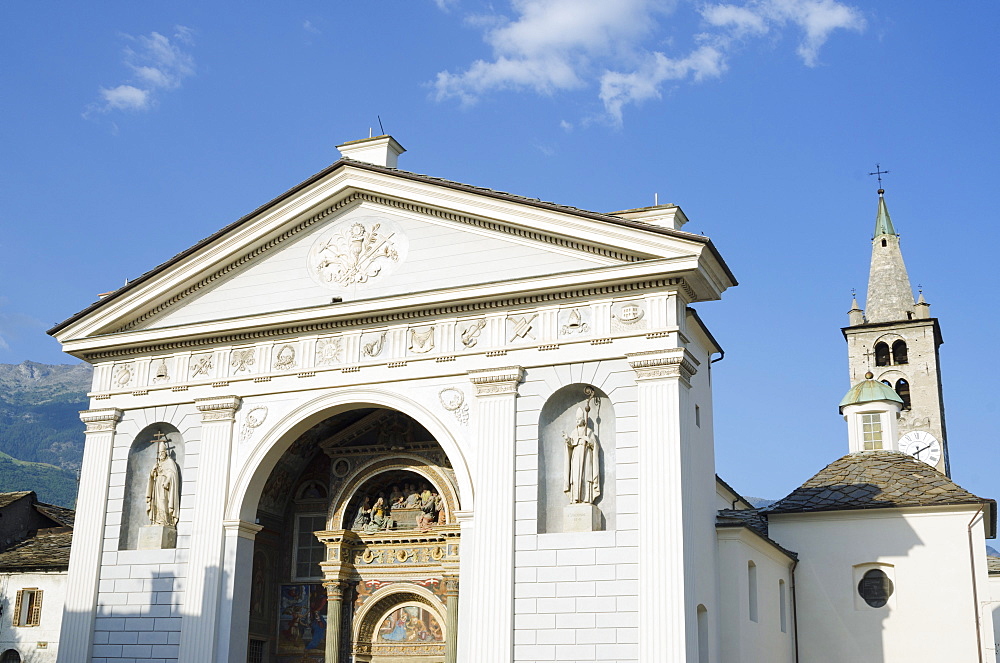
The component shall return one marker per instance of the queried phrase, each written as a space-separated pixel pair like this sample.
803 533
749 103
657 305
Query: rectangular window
782 609
752 589
871 431
309 551
255 651
28 607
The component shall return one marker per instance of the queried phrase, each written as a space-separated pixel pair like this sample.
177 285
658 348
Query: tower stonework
897 340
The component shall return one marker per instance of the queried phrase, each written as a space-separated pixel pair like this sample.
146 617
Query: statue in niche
582 479
163 490
380 520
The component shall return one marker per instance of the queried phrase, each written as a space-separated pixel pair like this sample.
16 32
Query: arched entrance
358 529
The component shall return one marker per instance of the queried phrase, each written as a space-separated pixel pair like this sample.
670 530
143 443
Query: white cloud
125 97
157 63
309 27
551 46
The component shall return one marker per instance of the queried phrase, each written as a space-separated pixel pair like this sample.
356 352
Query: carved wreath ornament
354 253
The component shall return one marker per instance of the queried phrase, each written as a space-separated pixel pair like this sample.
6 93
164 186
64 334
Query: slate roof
751 519
993 565
876 479
45 551
10 498
60 514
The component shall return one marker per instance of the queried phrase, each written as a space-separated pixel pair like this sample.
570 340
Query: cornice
364 196
416 313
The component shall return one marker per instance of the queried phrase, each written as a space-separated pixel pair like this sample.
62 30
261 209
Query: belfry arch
350 499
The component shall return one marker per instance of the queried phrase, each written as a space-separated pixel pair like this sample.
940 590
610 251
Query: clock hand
917 453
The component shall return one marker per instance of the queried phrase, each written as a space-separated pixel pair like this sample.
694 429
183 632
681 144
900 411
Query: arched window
899 352
10 656
903 391
881 354
752 589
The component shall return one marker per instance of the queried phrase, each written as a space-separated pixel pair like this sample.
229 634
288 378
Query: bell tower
896 339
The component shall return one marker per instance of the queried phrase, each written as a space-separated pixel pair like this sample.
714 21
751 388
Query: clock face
922 446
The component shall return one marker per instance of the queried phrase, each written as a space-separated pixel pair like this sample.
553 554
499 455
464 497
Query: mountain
40 425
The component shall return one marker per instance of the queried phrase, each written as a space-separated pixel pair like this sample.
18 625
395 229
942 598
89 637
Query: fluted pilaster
663 380
203 593
234 618
76 636
486 633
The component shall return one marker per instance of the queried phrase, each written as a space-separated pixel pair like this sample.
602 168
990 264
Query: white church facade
388 418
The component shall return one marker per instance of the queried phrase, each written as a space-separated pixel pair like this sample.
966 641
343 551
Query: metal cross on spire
879 172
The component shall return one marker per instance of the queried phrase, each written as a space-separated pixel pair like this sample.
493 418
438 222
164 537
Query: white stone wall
991 611
576 594
35 644
742 639
141 591
930 556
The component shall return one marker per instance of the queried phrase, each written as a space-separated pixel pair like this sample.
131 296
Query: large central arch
250 478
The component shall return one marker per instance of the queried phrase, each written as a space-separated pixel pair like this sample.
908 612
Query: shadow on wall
139 617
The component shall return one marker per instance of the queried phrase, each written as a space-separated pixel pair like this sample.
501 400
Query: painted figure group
377 517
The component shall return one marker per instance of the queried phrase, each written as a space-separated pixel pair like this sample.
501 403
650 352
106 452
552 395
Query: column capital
335 589
450 585
494 381
658 364
217 408
242 528
103 420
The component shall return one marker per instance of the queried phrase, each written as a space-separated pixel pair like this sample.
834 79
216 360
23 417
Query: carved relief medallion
253 419
123 374
521 326
328 350
372 345
470 335
201 365
573 322
355 251
453 400
421 340
242 360
160 372
628 316
285 358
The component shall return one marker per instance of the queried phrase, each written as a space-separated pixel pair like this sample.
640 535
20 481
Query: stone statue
163 490
582 480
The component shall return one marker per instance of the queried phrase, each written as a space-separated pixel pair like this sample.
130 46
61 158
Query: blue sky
131 130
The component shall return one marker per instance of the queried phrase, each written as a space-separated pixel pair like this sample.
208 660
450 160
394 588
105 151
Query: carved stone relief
355 252
284 359
521 327
329 350
371 345
574 321
160 371
421 340
470 334
628 316
122 375
453 400
201 365
253 420
242 360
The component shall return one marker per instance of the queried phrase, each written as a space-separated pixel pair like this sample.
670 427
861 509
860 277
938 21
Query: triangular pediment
357 233
370 251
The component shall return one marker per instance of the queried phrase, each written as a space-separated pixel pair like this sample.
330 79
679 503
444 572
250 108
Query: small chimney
380 150
664 216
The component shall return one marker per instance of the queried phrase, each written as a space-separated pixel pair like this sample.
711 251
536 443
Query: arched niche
557 419
141 460
379 477
402 624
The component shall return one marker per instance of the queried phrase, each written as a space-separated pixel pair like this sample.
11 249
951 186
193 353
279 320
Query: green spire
883 224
